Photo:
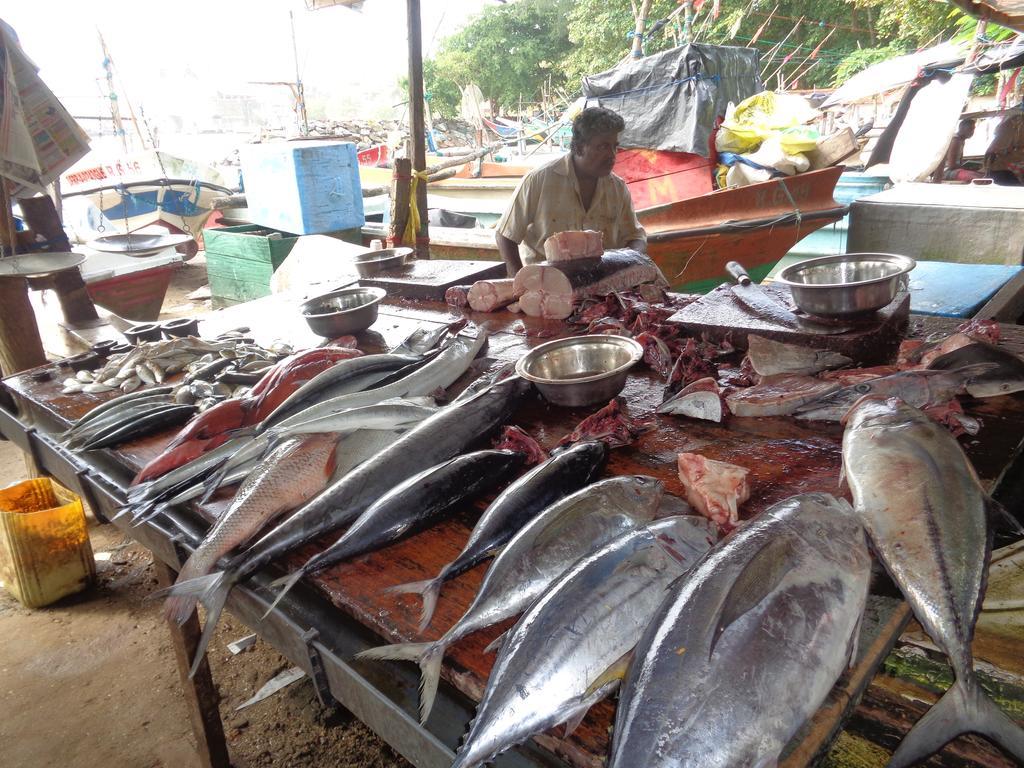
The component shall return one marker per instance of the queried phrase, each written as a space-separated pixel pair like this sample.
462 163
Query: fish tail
287 582
212 591
964 708
429 590
427 655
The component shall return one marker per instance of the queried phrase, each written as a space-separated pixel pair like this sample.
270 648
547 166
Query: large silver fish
746 647
550 670
551 542
919 388
926 514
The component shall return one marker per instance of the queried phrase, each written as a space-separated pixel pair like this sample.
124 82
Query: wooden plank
429 279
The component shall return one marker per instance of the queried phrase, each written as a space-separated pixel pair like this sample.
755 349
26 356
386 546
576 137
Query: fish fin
286 582
427 655
429 590
616 672
762 574
964 708
574 722
495 645
1002 517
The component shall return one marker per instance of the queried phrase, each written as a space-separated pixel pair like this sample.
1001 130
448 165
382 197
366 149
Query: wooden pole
400 183
21 347
201 695
416 129
638 30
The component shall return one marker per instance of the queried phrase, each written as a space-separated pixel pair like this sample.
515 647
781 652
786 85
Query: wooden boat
148 187
691 240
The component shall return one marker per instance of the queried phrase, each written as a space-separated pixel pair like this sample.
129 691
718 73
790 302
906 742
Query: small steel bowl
337 313
580 370
369 264
847 284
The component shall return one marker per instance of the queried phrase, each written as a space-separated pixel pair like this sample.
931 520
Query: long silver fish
919 388
550 669
554 479
292 474
747 646
551 542
430 442
926 514
411 506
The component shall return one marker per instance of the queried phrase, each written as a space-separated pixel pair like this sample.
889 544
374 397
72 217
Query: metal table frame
305 628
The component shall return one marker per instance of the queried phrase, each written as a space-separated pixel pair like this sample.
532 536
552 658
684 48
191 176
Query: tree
508 50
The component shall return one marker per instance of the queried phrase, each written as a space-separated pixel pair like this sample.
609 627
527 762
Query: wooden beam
416 129
21 347
399 202
200 694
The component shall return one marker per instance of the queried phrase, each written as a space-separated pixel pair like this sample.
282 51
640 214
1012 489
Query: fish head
640 494
875 409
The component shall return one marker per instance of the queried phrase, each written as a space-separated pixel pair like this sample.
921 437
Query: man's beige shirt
547 201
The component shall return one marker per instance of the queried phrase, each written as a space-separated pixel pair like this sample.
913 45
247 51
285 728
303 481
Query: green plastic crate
241 260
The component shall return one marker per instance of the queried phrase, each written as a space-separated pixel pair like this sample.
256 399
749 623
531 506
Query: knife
766 305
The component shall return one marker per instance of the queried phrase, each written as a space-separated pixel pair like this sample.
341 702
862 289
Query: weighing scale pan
139 243
36 264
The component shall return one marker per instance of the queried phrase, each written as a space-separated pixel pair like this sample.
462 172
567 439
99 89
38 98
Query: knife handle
737 272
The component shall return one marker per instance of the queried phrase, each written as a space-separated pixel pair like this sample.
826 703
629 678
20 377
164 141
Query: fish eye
863 387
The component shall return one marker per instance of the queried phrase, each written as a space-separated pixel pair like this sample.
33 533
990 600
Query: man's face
597 156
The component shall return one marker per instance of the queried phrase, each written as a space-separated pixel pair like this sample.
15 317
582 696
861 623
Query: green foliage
511 49
508 50
600 35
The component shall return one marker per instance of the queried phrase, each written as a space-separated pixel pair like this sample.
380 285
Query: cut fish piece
490 295
774 357
566 246
715 488
700 400
778 395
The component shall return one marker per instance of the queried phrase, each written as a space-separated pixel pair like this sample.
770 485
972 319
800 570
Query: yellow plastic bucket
44 545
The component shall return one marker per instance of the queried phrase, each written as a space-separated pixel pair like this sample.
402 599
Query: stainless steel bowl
580 370
848 284
349 310
369 264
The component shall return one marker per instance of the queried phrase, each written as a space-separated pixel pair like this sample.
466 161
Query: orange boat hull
691 240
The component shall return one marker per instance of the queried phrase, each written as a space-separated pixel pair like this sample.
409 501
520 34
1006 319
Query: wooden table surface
784 456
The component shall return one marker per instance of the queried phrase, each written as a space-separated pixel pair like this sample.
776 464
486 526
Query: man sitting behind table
577 191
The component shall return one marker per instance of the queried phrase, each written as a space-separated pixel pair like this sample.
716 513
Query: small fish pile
126 418
151 362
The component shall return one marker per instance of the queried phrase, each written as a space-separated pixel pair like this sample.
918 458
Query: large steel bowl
337 313
374 262
580 370
848 284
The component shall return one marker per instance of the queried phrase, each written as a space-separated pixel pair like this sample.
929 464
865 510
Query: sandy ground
92 681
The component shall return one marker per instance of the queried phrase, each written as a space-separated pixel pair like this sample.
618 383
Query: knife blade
756 298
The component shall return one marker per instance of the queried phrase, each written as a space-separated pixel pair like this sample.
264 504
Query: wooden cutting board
719 316
430 278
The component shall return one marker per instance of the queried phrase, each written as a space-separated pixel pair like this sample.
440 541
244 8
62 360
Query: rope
412 226
796 208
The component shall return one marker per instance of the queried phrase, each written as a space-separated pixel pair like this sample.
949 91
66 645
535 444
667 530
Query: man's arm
509 250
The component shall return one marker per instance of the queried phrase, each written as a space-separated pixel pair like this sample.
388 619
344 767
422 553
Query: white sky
169 54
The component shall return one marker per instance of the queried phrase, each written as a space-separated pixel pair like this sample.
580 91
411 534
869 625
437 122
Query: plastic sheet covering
672 100
929 125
